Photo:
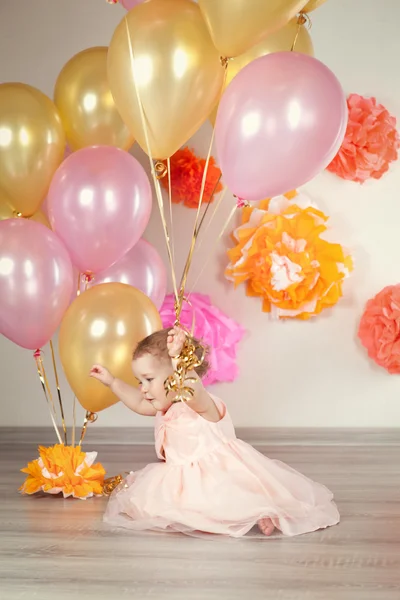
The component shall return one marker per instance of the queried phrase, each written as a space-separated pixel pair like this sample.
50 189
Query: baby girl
208 481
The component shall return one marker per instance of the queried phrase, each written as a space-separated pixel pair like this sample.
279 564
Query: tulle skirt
226 492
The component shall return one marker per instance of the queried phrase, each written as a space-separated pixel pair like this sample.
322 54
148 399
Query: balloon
237 25
32 142
178 73
129 4
87 109
279 40
312 5
99 204
102 326
35 282
142 268
280 122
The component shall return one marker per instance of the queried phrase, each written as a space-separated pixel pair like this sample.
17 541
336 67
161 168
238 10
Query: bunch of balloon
99 204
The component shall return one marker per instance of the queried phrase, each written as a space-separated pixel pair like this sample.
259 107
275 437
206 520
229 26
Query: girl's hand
100 373
175 341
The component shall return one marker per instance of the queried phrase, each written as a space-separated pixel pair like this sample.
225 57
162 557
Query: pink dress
211 482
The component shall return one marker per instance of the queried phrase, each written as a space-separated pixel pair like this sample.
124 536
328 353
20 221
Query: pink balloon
35 282
99 204
142 268
280 122
129 4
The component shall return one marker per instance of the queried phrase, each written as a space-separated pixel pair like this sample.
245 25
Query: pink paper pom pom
379 329
370 144
219 332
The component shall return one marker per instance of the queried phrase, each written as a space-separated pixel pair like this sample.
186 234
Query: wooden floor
55 549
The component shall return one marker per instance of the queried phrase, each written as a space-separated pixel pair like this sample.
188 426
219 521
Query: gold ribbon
47 391
152 166
186 361
302 19
59 393
89 418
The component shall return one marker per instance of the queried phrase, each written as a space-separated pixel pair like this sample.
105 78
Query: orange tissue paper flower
370 144
379 329
186 176
282 258
66 470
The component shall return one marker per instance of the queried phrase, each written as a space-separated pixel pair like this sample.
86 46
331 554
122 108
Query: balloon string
219 237
73 422
90 417
170 210
152 167
43 380
197 226
216 207
59 393
302 19
78 287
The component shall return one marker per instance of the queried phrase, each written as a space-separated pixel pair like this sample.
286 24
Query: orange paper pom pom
66 470
379 329
370 144
282 258
186 176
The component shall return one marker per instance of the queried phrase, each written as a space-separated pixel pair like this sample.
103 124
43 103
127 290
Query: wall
292 374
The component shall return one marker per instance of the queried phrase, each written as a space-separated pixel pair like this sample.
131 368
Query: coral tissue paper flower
186 177
370 144
66 470
218 331
379 329
282 258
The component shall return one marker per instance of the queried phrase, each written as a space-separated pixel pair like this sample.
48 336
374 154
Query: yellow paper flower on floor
282 258
66 470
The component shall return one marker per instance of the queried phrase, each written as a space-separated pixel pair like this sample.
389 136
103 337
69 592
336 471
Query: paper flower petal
371 142
218 331
379 329
282 258
66 470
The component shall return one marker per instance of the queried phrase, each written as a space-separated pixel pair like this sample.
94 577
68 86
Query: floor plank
54 548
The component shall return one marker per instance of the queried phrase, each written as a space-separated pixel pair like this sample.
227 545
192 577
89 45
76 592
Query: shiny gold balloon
276 42
87 109
237 25
312 5
32 143
177 70
102 326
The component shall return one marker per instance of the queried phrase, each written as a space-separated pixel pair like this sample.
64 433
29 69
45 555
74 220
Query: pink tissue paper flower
370 144
379 329
218 331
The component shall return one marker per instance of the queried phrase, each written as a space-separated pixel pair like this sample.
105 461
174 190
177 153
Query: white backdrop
299 374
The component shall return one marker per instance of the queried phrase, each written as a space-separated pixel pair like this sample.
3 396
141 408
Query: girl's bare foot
266 526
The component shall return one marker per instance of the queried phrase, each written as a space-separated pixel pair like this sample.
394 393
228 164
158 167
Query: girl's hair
156 344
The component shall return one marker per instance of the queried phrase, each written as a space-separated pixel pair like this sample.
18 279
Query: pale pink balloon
280 122
35 282
99 204
129 4
142 268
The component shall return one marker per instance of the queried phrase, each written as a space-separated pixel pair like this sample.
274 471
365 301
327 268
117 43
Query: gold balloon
312 5
237 25
87 109
32 142
102 326
177 69
276 42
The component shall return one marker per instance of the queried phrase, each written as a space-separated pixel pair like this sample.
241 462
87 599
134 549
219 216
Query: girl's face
151 372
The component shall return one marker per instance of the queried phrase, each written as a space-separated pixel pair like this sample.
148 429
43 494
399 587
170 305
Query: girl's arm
129 395
202 403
